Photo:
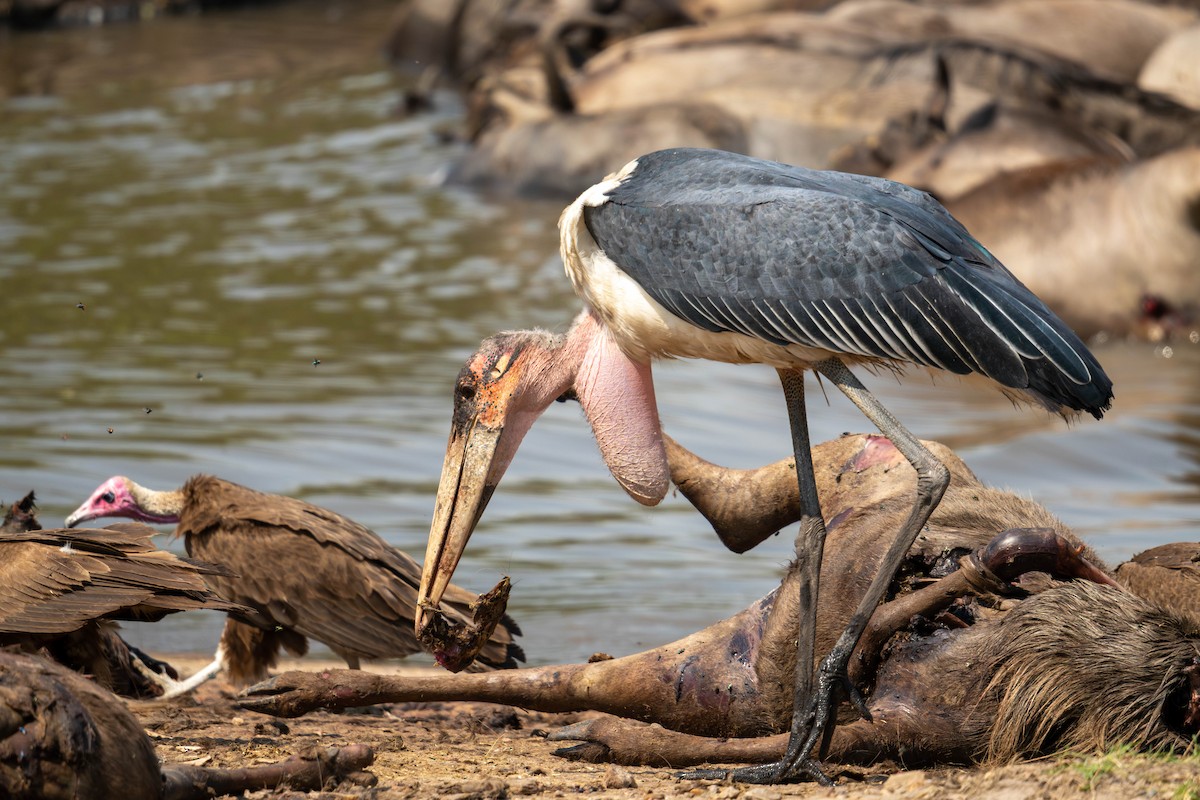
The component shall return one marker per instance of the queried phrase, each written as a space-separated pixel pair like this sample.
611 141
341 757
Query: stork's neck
565 353
156 506
617 395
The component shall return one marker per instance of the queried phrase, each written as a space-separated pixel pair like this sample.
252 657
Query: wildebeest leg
625 741
744 506
704 683
310 769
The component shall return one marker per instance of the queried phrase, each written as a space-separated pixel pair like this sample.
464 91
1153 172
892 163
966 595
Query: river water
194 212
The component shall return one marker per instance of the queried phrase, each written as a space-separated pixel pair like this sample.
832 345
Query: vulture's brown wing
1168 576
211 503
55 581
317 572
316 589
46 590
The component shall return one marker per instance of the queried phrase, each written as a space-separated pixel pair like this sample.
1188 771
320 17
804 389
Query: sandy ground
469 751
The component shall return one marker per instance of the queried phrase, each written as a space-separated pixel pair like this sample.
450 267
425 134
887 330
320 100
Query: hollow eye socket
1181 712
108 497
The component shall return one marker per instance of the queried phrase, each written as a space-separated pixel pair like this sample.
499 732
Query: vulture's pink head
120 497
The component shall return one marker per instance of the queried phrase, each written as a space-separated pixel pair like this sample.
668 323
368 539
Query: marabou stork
708 254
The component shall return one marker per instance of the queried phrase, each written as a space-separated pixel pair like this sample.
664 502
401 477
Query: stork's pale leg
932 480
815 699
810 544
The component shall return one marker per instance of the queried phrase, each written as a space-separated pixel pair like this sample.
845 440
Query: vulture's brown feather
67 577
315 572
56 586
1168 575
21 516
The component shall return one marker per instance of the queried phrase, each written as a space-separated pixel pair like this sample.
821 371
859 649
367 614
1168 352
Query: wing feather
899 345
848 263
328 578
56 581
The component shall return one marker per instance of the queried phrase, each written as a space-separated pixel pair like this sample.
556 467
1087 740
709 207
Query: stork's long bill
500 392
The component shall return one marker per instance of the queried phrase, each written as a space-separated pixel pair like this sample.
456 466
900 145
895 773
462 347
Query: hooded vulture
303 571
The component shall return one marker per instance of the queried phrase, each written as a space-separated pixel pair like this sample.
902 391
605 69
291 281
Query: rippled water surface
195 212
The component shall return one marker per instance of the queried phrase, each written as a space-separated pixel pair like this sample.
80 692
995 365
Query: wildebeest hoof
290 694
590 734
616 741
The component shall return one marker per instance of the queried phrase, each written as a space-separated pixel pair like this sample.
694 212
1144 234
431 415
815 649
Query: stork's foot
813 720
765 773
815 724
797 763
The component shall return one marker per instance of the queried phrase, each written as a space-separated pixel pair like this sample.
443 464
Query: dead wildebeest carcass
989 648
63 736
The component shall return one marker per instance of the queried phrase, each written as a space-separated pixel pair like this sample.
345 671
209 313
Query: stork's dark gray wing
842 262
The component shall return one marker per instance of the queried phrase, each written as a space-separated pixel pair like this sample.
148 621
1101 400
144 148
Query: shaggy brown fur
62 736
250 652
1084 668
